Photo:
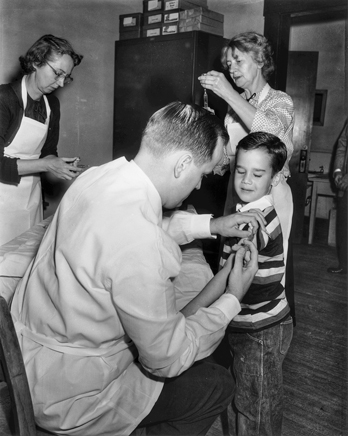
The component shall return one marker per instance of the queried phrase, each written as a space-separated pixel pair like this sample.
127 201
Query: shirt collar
261 203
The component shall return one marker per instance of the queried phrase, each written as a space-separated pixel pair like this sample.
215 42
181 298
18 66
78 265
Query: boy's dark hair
268 142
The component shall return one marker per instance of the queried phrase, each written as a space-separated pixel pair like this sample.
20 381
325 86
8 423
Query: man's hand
229 225
337 178
343 183
243 271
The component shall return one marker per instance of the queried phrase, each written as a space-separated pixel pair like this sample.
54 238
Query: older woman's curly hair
254 44
45 49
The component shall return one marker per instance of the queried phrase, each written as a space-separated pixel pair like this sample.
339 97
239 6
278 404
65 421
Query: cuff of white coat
229 305
200 226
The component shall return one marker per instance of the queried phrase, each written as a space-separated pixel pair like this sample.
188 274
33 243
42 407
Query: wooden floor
315 369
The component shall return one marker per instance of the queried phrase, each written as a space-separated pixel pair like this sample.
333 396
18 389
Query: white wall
240 16
92 27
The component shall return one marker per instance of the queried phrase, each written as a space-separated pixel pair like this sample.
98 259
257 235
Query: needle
205 99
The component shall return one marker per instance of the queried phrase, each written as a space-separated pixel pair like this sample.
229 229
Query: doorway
280 17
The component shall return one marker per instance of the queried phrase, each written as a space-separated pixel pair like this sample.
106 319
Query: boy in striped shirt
260 335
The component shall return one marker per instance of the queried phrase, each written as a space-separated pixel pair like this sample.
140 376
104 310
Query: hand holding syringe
206 104
76 163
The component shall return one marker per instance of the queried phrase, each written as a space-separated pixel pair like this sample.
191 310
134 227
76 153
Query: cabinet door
149 73
152 72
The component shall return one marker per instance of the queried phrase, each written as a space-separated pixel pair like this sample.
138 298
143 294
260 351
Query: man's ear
182 164
275 179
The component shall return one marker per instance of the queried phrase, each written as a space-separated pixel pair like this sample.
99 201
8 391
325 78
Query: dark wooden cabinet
152 72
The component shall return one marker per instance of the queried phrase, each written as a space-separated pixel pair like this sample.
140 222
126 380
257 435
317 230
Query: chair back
15 376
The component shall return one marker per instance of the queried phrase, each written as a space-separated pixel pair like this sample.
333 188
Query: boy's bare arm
235 281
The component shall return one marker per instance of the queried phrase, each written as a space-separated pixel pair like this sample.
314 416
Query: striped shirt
265 302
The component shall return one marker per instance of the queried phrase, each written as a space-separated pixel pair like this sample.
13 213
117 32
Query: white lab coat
101 296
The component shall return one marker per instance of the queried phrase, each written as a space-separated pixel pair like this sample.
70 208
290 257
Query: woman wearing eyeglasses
29 133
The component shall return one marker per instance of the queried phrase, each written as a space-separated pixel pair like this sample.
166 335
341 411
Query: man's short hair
180 126
268 142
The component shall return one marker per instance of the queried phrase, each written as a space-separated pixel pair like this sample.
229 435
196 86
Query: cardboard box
195 12
169 29
171 5
200 26
153 19
153 5
171 17
201 19
157 31
131 21
130 34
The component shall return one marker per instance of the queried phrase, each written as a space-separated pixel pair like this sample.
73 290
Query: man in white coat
105 349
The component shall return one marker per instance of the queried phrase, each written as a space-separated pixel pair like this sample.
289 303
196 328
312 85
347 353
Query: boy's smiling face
253 177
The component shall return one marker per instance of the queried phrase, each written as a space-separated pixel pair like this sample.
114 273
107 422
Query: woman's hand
217 83
243 271
62 167
229 225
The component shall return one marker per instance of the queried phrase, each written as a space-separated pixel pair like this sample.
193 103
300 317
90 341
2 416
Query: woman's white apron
21 205
281 193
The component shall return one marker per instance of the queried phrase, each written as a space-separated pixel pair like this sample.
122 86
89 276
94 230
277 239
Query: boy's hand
244 269
229 261
229 225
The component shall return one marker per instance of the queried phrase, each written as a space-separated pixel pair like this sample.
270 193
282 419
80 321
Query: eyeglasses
59 74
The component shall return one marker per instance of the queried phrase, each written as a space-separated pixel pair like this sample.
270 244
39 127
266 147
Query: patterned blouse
274 114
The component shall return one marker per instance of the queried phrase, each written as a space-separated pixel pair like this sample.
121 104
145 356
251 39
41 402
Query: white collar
262 203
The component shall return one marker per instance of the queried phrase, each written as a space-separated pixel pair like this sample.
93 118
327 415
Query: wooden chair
21 421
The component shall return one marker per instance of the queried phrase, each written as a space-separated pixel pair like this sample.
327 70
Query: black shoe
337 270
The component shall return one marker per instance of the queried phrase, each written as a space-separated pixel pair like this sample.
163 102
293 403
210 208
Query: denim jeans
189 404
257 367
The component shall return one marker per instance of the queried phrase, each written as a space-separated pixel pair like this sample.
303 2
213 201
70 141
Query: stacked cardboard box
170 10
164 17
131 25
201 19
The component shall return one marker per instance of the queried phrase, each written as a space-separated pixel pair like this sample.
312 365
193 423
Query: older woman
29 132
258 107
248 58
